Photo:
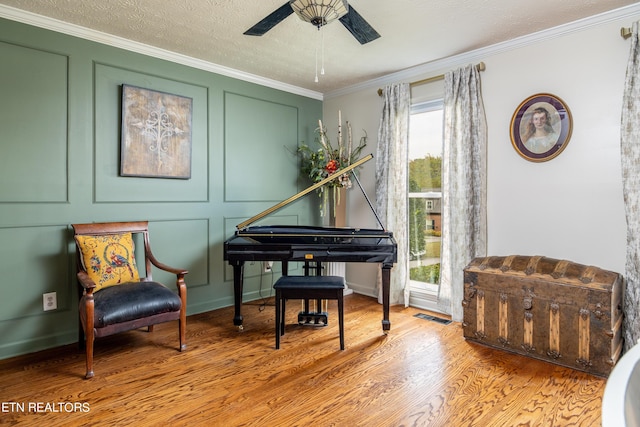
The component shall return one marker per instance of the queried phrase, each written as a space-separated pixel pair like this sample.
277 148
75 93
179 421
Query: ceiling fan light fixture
319 12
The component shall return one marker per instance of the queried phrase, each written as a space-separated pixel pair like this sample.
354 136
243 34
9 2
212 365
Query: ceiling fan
319 13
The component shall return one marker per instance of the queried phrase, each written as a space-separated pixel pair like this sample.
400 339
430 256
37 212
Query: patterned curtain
391 183
464 185
630 152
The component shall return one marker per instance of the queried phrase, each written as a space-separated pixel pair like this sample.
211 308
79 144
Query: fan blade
361 30
273 19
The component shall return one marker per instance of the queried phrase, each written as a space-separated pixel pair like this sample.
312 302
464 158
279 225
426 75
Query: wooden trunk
553 310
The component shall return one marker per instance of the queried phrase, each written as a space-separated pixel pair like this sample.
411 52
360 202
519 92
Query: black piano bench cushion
131 301
310 282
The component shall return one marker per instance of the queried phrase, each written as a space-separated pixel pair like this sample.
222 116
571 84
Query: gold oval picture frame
541 127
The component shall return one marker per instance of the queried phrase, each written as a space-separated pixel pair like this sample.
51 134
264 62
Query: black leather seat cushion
130 301
310 282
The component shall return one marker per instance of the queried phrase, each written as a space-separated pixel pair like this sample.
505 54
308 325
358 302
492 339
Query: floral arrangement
327 160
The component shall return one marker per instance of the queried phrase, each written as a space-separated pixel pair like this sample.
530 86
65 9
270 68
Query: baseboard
424 300
38 344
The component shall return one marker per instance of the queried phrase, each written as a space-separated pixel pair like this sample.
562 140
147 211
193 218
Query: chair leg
341 318
182 328
283 312
89 332
277 319
182 325
90 338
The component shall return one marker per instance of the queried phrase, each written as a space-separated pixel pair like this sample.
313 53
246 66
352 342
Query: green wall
60 126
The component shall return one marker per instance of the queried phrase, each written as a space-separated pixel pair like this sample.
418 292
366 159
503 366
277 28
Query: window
425 202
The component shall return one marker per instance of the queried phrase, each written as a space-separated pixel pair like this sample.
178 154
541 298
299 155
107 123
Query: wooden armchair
113 297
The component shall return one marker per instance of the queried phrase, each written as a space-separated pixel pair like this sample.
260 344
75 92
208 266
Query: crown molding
408 74
478 55
56 25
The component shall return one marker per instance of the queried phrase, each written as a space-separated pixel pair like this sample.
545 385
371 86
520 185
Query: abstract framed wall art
156 134
541 127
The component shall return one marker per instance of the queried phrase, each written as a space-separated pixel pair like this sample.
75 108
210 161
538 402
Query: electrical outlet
49 301
267 266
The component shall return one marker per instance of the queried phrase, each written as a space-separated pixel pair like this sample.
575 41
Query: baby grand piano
292 243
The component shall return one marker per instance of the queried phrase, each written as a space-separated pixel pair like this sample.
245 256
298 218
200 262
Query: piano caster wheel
240 328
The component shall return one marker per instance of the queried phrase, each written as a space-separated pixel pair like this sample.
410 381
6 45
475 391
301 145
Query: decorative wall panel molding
109 185
40 264
259 135
33 125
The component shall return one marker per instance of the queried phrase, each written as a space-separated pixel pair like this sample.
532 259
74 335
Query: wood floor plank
423 373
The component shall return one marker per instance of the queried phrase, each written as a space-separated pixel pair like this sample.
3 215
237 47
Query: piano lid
288 231
315 186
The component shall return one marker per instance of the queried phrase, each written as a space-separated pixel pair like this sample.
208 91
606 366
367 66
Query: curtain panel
464 183
391 183
630 157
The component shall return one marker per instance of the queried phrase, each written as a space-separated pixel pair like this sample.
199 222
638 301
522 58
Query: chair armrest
86 282
161 266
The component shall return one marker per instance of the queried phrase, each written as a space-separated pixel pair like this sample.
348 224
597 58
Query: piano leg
386 285
237 292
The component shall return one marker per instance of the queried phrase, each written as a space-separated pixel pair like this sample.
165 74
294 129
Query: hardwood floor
423 373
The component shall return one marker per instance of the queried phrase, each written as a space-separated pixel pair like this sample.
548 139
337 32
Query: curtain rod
625 32
480 67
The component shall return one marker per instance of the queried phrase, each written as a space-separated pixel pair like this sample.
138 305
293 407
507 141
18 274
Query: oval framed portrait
541 127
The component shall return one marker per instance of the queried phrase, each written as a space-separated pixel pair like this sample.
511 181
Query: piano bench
306 288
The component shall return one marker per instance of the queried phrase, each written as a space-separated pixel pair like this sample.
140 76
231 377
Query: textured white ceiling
413 32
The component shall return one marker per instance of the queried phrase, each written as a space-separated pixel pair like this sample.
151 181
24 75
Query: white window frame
424 295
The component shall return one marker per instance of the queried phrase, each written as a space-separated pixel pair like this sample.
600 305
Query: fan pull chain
320 42
316 80
322 48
